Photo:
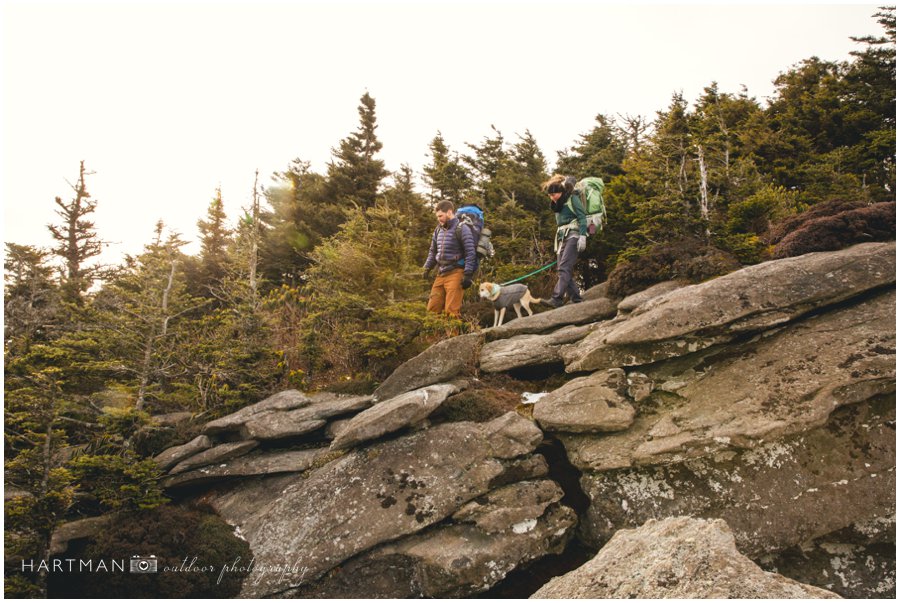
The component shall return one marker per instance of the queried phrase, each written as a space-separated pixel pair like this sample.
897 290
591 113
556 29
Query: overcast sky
167 101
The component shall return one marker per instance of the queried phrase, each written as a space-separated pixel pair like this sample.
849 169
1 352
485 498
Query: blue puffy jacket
445 251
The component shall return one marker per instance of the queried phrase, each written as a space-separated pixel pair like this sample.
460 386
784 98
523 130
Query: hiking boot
552 303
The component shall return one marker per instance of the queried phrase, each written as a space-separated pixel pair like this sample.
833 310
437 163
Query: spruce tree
446 176
870 96
30 301
355 174
599 153
485 164
77 238
214 240
143 319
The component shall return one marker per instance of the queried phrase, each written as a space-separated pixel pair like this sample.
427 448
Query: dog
511 296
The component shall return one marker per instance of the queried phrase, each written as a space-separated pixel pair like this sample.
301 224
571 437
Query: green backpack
590 191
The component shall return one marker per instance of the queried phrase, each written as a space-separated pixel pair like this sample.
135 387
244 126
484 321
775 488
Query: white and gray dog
515 296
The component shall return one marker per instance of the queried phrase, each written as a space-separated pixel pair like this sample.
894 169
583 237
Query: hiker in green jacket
571 237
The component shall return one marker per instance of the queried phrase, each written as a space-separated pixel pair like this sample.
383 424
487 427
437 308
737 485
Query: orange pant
447 293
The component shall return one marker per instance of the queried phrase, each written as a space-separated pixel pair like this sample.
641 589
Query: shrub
827 208
756 213
711 262
686 259
832 232
119 482
478 405
173 535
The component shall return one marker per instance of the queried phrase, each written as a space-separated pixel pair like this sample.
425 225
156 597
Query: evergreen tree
599 153
31 298
355 174
77 239
301 215
870 98
486 165
523 174
446 175
214 241
142 317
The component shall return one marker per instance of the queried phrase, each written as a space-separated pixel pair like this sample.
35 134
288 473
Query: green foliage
756 213
31 298
503 173
214 239
119 482
77 239
601 151
446 175
355 174
120 424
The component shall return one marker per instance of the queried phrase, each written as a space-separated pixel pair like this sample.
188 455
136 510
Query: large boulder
392 415
316 521
529 350
570 314
774 496
486 538
597 403
780 384
680 558
442 362
753 299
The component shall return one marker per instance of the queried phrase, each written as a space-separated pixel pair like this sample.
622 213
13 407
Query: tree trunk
152 338
254 245
704 192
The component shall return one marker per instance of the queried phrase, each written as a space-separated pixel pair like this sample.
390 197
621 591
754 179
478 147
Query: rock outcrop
597 403
760 404
488 538
529 350
571 314
388 491
675 558
391 415
444 361
779 384
750 300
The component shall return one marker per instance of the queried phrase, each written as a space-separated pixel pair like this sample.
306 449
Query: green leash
522 278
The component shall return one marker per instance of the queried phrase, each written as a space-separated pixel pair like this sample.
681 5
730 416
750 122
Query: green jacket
572 214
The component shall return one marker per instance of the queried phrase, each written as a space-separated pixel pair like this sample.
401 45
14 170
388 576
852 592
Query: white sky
167 101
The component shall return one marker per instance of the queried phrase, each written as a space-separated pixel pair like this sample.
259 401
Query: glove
582 243
427 274
467 281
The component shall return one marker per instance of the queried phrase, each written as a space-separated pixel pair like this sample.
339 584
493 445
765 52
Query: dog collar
495 291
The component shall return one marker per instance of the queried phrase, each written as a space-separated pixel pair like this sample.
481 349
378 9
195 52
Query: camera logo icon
143 565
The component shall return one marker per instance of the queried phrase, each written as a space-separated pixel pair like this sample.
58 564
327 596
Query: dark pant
565 266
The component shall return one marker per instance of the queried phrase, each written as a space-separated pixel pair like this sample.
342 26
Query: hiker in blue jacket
571 237
454 255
